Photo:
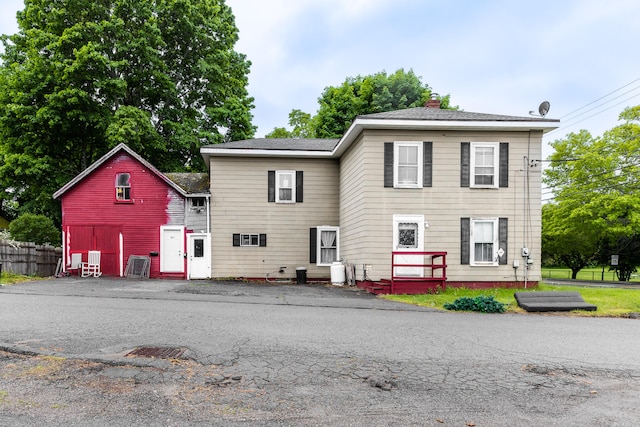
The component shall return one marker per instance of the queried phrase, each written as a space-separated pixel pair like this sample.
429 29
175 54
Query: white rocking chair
92 266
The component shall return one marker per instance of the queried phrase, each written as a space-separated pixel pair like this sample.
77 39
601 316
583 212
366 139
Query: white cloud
495 56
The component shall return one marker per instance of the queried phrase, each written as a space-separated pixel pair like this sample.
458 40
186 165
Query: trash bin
301 275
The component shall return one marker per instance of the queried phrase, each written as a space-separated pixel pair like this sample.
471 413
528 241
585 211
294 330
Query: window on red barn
123 187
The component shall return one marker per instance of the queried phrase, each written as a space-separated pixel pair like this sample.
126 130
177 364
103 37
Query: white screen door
199 257
408 236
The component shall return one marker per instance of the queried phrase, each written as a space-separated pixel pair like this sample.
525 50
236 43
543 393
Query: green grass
591 273
7 278
611 302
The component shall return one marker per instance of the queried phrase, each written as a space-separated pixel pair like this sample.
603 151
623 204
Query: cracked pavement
263 354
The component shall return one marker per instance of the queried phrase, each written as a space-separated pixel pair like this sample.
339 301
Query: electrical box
516 263
525 252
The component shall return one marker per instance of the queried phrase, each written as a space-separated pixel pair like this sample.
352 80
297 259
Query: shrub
34 228
482 303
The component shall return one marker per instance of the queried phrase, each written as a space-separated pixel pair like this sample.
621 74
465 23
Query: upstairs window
484 164
123 187
408 164
285 186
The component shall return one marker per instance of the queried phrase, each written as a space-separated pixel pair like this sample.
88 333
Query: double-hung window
408 164
285 186
484 238
324 245
484 241
123 187
408 161
484 165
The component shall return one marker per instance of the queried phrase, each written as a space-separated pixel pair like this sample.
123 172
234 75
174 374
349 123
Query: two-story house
413 188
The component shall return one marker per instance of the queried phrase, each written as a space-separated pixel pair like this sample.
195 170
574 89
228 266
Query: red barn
121 206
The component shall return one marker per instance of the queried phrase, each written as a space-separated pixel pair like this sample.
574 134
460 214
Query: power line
572 116
602 97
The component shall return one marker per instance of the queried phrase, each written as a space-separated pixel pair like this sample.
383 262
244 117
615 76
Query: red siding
91 204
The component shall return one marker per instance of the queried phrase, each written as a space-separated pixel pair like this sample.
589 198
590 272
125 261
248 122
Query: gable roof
419 118
117 149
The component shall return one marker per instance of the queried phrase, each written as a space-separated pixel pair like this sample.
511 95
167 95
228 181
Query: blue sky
492 56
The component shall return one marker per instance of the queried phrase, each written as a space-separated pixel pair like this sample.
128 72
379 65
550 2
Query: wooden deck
431 277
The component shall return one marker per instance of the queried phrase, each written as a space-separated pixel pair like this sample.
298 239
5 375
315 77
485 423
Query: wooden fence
29 259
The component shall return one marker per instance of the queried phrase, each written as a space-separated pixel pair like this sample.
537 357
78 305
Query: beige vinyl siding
367 208
239 205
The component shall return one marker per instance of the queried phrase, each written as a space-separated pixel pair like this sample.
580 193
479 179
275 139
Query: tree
302 124
596 181
81 76
339 106
34 228
564 240
626 249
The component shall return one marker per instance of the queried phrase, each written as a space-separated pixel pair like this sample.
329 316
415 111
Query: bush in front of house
38 229
482 303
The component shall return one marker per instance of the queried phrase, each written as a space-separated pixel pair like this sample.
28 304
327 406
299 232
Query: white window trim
319 231
496 243
251 236
419 160
292 175
123 188
496 164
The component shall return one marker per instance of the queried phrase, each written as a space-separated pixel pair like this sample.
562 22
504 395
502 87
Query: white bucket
337 274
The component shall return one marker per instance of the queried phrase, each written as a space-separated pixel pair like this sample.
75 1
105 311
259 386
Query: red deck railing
432 271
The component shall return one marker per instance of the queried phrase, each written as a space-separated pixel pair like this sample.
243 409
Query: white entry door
171 249
199 256
408 236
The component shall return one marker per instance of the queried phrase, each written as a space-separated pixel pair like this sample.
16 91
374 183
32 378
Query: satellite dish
543 109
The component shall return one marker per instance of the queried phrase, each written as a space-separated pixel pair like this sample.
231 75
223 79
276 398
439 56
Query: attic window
123 187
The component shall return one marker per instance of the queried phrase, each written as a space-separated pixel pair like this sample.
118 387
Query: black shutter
465 163
504 164
299 185
503 241
263 240
465 240
271 186
427 170
313 242
236 240
388 164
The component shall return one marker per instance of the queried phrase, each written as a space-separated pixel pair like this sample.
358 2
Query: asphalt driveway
273 354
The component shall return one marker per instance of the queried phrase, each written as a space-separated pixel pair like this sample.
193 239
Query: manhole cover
159 352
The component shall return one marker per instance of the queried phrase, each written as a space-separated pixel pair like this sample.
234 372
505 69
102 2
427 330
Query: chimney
433 102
